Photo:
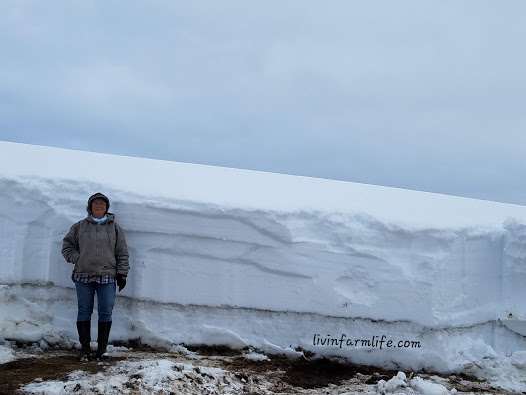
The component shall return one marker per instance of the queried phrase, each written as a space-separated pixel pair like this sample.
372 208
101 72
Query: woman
97 247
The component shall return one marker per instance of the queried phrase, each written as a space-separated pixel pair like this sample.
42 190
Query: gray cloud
420 94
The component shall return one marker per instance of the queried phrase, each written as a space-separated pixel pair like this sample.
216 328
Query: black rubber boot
104 333
84 329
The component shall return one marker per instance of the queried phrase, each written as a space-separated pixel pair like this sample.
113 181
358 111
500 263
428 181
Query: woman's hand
121 281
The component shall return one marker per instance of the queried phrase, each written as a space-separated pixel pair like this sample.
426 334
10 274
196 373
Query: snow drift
277 262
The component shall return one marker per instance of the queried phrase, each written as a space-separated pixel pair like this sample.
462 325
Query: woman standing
97 247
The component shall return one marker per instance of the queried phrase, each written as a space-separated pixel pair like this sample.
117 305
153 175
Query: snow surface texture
277 262
160 376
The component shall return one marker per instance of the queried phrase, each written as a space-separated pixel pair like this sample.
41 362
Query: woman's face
98 208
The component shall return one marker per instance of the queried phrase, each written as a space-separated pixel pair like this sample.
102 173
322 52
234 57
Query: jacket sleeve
121 252
70 245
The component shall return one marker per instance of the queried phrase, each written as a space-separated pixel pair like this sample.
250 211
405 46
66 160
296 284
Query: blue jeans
86 297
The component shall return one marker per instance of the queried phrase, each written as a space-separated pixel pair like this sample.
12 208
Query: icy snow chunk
402 376
6 354
179 349
46 388
254 356
428 388
397 382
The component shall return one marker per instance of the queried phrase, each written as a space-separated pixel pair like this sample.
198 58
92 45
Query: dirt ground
285 373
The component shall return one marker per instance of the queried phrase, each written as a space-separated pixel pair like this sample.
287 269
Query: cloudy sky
425 95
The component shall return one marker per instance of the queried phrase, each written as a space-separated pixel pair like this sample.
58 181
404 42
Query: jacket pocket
75 259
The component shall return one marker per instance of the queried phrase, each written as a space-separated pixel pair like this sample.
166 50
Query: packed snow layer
273 261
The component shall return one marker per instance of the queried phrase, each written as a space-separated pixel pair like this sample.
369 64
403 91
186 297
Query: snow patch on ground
149 376
255 356
166 376
6 354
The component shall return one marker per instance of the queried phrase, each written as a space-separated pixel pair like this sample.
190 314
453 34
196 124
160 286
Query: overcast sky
424 95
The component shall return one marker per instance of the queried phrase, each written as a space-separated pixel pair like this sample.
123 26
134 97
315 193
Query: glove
121 281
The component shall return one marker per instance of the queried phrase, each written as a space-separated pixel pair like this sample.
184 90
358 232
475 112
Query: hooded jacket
97 249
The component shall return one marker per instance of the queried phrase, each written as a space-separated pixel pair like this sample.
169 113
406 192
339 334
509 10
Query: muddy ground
286 375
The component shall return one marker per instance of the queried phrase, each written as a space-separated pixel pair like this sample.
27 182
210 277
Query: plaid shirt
87 278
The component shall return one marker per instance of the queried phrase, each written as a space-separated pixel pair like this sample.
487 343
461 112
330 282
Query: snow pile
222 256
506 373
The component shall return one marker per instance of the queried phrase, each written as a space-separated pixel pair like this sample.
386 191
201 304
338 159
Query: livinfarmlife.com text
374 342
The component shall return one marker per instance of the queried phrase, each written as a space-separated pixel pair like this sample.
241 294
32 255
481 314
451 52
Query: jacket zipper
97 244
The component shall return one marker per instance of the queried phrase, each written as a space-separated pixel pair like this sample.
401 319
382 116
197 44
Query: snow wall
276 262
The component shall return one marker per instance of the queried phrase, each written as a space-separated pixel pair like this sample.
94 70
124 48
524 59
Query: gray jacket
98 249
